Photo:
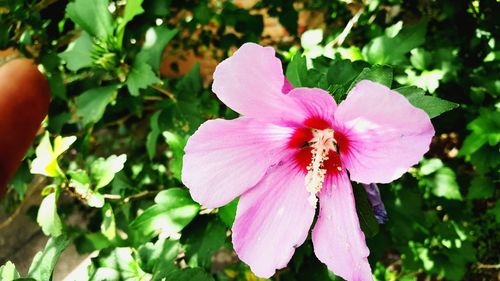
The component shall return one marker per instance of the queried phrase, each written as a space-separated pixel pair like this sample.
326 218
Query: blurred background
99 197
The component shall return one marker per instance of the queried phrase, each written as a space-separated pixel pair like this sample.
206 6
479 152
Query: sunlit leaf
92 16
78 55
44 262
8 271
173 210
47 217
103 170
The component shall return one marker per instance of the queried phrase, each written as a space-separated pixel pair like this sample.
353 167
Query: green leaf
176 144
154 133
381 74
296 72
367 219
201 239
78 55
429 166
47 217
340 75
120 265
92 16
445 184
91 104
132 9
108 226
228 212
8 271
103 170
299 75
433 106
420 59
485 129
191 83
156 40
481 188
44 262
392 49
173 210
140 77
159 258
81 184
189 274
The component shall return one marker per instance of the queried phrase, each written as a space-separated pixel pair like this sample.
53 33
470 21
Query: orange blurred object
24 103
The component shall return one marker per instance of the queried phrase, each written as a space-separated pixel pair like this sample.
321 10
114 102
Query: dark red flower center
317 152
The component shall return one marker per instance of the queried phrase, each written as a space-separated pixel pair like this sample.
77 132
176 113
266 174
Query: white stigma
321 144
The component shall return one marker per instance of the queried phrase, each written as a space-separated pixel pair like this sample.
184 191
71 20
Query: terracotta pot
24 103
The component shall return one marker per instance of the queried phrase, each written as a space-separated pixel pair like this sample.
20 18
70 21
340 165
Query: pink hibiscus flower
292 147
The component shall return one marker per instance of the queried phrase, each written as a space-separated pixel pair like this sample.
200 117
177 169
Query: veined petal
272 219
337 237
224 158
311 103
382 133
251 81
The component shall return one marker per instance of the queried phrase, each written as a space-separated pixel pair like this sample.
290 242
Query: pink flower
289 150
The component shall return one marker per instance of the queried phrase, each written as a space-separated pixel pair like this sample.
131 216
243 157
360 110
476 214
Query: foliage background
130 82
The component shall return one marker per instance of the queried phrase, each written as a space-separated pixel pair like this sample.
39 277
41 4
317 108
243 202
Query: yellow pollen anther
321 144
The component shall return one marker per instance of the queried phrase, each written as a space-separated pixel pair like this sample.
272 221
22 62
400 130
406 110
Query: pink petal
311 102
337 238
384 133
272 219
287 87
224 158
251 81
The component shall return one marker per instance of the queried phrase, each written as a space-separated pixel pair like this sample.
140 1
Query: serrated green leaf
173 210
381 74
141 76
44 262
8 271
47 217
78 55
91 104
433 106
103 170
92 16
